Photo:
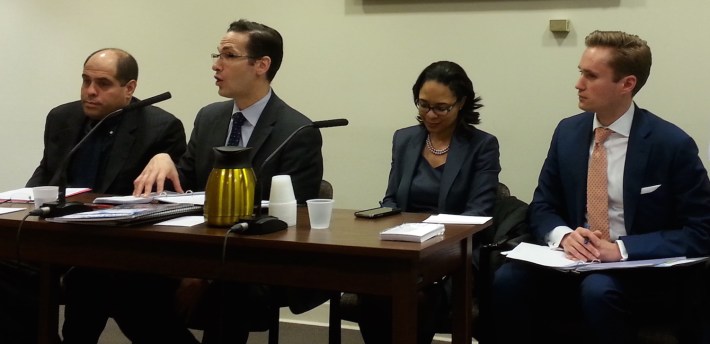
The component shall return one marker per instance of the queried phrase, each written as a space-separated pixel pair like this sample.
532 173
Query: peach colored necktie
597 185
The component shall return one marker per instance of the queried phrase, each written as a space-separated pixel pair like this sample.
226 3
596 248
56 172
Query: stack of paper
416 232
556 259
128 214
457 219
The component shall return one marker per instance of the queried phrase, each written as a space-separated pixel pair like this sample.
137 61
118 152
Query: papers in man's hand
416 232
457 219
545 256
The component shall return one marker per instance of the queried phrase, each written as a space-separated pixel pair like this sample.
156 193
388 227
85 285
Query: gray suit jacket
301 158
141 134
470 179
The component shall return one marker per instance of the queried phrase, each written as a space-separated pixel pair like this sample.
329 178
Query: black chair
508 229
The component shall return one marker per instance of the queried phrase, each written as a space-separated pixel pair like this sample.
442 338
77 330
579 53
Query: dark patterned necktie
236 134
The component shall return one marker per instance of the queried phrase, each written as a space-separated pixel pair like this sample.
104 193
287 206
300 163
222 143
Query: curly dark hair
452 75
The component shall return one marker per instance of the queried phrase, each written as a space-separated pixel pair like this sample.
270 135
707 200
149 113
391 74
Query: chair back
326 190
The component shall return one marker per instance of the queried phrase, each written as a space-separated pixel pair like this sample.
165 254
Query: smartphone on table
377 212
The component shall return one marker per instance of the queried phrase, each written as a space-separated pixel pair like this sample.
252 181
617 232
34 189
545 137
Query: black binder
130 214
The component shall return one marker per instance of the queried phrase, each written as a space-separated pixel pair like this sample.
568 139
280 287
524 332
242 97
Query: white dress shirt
251 114
615 146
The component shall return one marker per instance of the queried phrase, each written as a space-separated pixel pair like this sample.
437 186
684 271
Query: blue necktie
236 134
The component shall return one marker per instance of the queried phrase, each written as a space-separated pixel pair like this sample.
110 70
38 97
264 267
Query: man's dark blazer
673 220
470 178
301 158
141 134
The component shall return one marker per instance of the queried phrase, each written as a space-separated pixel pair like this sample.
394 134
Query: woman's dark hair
453 76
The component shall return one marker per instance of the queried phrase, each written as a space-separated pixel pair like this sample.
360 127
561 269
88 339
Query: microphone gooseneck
317 124
60 176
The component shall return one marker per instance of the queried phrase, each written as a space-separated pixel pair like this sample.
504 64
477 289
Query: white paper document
9 210
183 221
25 194
457 219
555 258
197 198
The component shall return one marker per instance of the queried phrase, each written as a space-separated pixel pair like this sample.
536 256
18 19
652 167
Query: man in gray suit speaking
247 59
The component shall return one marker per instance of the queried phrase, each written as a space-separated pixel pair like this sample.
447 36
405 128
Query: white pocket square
649 189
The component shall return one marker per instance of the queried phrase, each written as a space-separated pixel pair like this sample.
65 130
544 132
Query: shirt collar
253 112
622 125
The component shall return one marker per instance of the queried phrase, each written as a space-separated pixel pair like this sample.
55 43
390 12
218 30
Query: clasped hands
585 245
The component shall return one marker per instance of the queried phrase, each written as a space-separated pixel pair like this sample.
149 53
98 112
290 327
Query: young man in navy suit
656 204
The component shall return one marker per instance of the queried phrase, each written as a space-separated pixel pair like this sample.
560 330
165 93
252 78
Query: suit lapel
637 155
578 159
457 155
409 163
121 150
220 128
264 125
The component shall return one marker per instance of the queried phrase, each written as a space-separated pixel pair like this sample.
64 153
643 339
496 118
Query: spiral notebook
130 214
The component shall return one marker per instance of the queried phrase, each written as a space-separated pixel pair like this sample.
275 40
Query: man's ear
628 83
262 65
130 88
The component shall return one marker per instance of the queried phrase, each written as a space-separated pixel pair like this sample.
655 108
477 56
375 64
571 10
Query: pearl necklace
434 150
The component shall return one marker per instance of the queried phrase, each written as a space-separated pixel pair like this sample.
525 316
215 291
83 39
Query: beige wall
355 59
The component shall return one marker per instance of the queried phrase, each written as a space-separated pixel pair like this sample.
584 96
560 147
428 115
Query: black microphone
328 123
262 224
61 207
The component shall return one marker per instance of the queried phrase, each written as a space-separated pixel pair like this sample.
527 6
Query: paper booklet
415 232
556 259
165 197
129 214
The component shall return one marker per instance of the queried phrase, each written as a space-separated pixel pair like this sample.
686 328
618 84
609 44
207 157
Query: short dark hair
632 55
263 41
453 76
126 65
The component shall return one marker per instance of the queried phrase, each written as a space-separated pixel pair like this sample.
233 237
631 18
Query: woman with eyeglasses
442 165
445 164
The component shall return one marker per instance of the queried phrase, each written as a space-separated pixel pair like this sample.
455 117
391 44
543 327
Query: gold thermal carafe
229 194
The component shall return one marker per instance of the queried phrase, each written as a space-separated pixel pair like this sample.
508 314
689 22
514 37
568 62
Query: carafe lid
232 157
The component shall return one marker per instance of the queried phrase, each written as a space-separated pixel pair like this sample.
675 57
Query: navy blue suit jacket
673 220
470 178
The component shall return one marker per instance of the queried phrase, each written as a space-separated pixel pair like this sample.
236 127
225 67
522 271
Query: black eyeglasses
438 109
230 56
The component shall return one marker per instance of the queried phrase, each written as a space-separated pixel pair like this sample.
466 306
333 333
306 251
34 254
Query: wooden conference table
346 257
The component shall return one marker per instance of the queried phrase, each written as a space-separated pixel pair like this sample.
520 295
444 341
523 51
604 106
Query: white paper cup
319 212
44 194
286 212
281 190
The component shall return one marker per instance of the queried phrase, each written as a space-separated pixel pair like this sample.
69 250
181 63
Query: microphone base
57 209
260 224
